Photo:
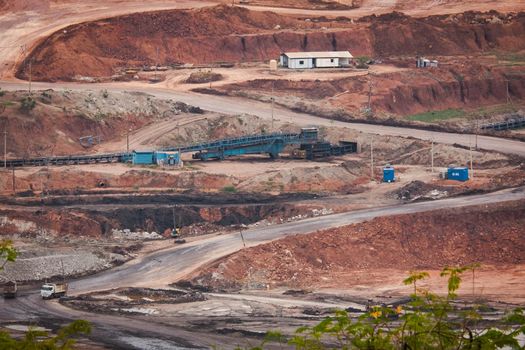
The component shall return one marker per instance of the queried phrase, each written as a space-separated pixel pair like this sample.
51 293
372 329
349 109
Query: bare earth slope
339 258
236 34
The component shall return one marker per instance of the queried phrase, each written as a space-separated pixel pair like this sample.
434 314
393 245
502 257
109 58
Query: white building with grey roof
317 59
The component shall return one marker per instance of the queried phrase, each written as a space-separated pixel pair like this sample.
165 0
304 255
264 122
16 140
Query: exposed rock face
234 34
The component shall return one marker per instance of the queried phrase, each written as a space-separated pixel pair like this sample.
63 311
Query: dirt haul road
164 267
410 7
235 106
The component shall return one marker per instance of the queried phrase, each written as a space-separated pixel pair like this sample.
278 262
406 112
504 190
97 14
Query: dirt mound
203 77
66 116
419 190
326 179
233 34
131 300
490 235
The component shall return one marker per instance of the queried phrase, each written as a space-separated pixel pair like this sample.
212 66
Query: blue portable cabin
167 158
389 174
458 173
143 157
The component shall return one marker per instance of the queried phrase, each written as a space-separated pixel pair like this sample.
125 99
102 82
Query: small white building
317 59
422 62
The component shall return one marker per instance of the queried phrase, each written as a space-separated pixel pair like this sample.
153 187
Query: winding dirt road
20 32
235 106
161 268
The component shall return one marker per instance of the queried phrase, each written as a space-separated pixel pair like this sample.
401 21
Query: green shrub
362 62
27 104
427 321
42 340
229 189
434 116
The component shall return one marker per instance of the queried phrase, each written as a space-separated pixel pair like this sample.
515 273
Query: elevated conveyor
271 144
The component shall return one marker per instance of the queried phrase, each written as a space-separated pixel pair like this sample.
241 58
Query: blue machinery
271 144
505 125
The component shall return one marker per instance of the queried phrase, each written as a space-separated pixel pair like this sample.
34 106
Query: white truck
53 290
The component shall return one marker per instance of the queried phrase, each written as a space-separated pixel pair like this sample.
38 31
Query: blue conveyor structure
271 144
508 124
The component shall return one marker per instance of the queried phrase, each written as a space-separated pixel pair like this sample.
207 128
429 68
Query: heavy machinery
272 144
323 149
53 290
10 289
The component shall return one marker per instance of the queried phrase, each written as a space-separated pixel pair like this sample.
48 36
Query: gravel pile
131 235
54 265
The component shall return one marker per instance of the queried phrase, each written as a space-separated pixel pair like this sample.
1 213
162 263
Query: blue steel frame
273 144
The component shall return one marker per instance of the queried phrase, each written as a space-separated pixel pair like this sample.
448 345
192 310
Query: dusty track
228 105
167 266
407 6
145 135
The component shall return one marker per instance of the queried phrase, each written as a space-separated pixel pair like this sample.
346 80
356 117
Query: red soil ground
344 257
236 34
452 85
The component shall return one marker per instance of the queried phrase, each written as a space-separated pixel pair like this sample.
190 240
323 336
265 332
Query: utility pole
157 64
30 74
372 157
369 96
127 141
432 156
477 130
273 101
14 179
242 237
5 148
471 167
508 95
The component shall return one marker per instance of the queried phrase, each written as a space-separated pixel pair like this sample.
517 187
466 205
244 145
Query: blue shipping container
143 157
388 174
458 173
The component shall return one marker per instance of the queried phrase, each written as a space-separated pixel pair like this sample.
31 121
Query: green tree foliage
428 321
362 62
41 340
7 253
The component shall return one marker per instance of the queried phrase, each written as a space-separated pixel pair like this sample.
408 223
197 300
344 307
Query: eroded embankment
490 235
452 85
236 34
99 215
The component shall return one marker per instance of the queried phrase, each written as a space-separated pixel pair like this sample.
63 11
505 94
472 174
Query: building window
301 62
